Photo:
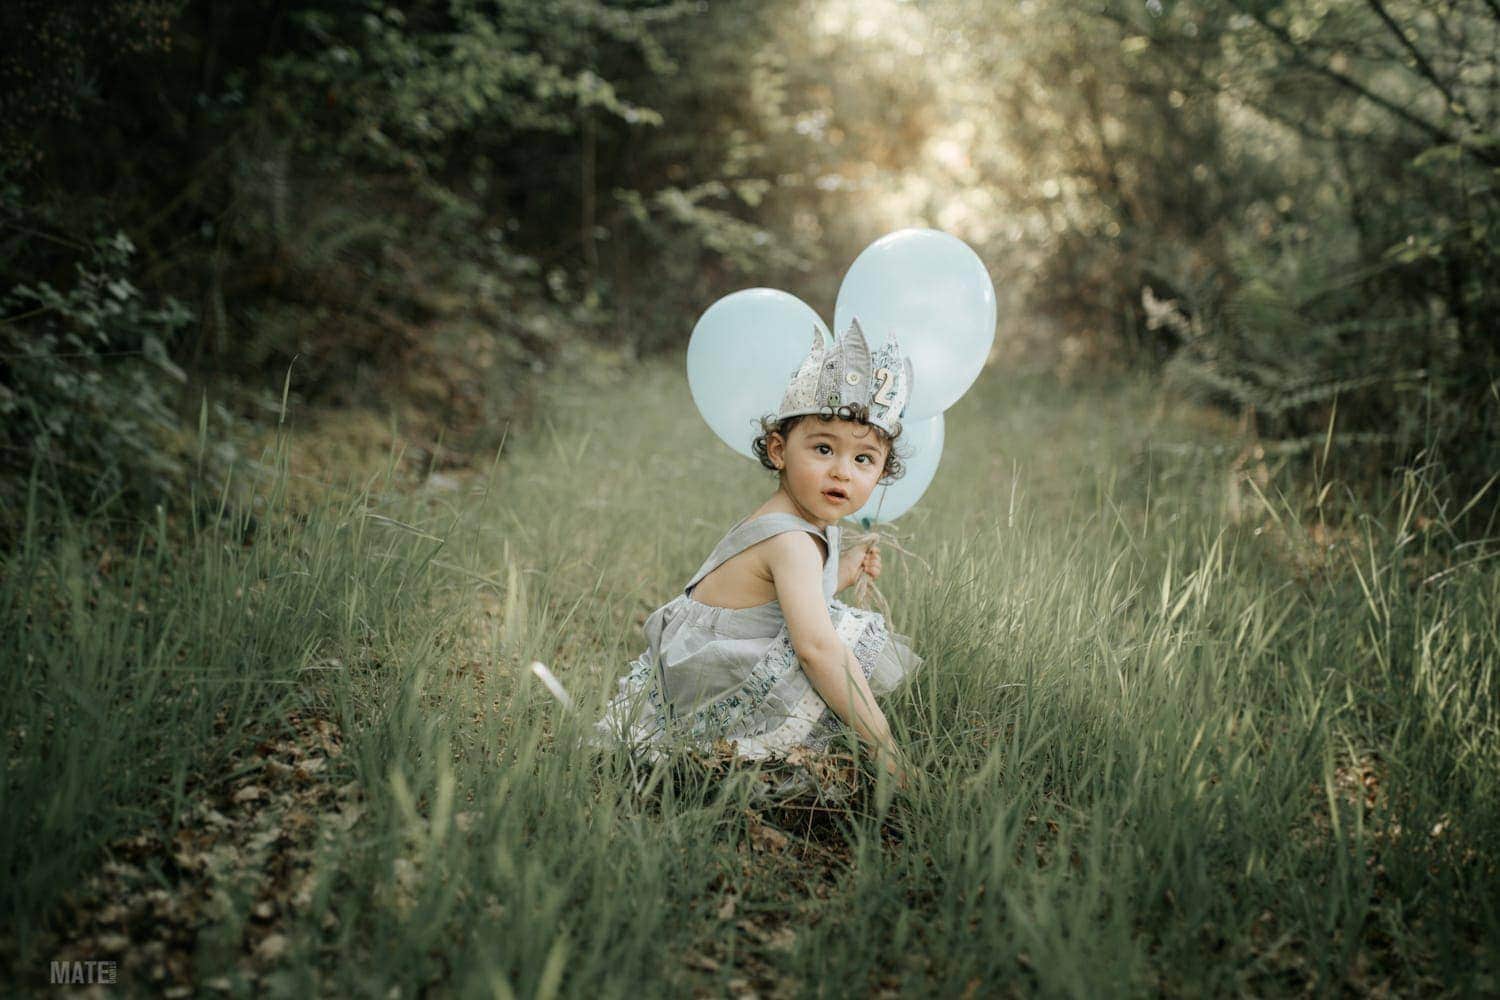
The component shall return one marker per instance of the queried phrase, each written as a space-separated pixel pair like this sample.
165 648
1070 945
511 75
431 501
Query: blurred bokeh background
1285 209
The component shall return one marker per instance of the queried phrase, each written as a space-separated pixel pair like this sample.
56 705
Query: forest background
1284 209
329 328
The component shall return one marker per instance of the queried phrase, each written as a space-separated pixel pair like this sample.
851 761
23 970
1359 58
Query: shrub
86 386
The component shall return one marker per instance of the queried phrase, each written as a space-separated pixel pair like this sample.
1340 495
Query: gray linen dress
712 673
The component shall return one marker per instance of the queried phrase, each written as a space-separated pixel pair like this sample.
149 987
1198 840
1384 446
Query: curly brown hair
894 469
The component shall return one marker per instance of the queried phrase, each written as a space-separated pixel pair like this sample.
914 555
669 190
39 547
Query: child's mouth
835 496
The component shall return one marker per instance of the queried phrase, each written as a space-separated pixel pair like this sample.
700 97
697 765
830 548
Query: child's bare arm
796 566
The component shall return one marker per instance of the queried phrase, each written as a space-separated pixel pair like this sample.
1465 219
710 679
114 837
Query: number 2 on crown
885 387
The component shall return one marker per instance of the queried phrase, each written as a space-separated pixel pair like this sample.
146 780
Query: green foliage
1156 752
86 383
412 89
1285 203
1311 185
52 54
1363 266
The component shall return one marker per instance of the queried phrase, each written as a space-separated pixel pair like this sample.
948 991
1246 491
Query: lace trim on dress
864 633
718 719
871 638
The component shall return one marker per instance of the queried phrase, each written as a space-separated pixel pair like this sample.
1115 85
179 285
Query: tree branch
1437 132
1423 66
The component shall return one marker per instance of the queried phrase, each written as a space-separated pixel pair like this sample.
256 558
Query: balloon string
865 588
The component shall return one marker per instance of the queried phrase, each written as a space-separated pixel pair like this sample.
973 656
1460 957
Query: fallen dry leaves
239 865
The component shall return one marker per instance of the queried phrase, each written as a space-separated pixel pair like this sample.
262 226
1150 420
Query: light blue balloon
935 294
921 442
743 352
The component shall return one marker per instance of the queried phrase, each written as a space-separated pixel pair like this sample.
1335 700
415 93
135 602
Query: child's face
829 468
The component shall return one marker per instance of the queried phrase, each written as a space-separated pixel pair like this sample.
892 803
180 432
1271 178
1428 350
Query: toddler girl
756 649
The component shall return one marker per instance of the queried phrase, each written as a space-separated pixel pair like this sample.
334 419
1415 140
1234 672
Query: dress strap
755 530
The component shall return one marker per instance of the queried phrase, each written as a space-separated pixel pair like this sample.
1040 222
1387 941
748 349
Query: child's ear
774 446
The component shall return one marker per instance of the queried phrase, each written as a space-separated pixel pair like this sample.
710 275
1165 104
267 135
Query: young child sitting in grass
756 649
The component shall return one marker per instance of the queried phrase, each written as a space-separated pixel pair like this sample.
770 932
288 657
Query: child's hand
860 559
894 764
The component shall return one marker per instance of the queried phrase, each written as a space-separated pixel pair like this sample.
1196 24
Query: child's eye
824 447
869 458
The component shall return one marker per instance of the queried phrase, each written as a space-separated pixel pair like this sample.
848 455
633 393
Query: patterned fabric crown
834 377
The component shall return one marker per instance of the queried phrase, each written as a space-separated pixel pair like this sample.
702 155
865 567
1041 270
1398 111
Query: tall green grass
138 663
1157 750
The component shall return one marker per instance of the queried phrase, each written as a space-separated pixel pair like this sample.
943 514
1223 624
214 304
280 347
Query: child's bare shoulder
792 551
758 574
